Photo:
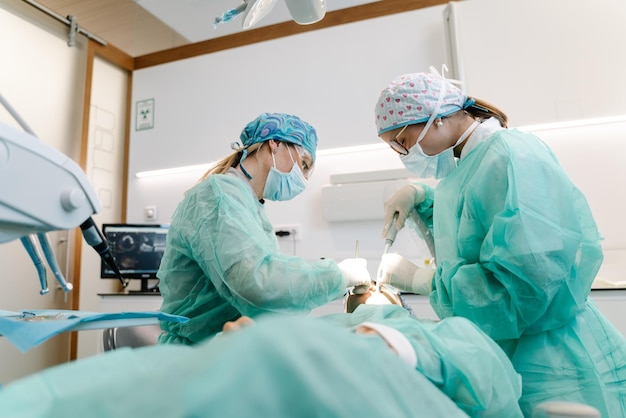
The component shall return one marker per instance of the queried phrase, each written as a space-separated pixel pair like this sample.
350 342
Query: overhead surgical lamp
306 12
303 12
256 10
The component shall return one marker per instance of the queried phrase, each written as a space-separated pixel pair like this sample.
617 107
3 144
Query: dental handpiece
390 237
391 234
94 237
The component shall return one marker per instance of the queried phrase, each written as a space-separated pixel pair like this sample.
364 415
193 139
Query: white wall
331 78
543 60
43 79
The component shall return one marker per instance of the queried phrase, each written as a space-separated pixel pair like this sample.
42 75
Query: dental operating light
303 12
306 12
255 11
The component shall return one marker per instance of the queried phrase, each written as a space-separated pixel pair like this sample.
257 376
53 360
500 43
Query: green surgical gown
282 367
222 260
517 251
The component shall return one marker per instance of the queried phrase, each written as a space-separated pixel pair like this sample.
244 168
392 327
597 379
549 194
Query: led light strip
204 167
174 170
573 123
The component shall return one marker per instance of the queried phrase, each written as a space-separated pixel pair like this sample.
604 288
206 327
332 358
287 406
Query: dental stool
564 410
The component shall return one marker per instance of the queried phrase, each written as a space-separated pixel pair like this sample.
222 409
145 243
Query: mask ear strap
467 132
272 152
289 151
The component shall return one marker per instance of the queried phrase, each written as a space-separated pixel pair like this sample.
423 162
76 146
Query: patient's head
383 296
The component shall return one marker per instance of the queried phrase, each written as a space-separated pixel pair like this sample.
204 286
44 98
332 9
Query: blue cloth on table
28 328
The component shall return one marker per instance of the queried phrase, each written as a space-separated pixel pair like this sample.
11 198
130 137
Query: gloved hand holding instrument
356 273
399 206
394 269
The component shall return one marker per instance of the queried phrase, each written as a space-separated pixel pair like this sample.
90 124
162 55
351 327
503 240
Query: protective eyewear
396 146
306 162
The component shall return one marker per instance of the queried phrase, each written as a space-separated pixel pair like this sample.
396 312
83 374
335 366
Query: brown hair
484 110
229 161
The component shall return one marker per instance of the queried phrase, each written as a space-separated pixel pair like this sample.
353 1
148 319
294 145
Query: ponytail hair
231 160
484 110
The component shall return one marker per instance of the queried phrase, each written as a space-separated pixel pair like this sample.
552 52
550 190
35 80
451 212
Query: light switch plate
150 213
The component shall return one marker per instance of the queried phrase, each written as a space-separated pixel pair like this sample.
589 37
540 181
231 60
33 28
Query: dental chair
137 336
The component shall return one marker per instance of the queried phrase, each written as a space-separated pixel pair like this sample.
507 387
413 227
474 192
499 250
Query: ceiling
140 27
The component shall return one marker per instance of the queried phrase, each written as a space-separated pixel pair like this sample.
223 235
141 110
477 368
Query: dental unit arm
43 190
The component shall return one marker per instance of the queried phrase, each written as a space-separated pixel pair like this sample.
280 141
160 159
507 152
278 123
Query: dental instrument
390 237
391 234
359 290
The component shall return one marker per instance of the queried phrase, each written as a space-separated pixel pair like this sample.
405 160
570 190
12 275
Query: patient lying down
454 356
336 366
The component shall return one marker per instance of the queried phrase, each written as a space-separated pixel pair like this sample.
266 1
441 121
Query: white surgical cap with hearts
413 98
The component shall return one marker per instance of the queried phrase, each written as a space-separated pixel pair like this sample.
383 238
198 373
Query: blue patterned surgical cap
281 127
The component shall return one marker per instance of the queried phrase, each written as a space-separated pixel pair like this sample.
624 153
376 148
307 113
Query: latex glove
356 273
402 201
402 274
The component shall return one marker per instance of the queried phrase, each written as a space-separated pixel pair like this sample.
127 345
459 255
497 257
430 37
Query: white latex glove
355 271
402 274
402 201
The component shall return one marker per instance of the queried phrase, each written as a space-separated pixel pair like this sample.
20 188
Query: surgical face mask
438 165
284 186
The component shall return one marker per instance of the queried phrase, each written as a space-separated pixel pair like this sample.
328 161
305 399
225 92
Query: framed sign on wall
144 117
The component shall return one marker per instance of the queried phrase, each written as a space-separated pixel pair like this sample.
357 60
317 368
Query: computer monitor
137 250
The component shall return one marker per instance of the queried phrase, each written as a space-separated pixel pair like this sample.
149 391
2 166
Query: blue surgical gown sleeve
223 260
517 246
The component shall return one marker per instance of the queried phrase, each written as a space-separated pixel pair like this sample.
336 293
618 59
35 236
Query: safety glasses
306 162
396 146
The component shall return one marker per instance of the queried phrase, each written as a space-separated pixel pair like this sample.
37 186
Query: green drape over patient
284 367
287 367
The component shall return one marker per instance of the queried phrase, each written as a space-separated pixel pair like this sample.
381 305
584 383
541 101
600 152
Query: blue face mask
284 186
437 166
425 166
